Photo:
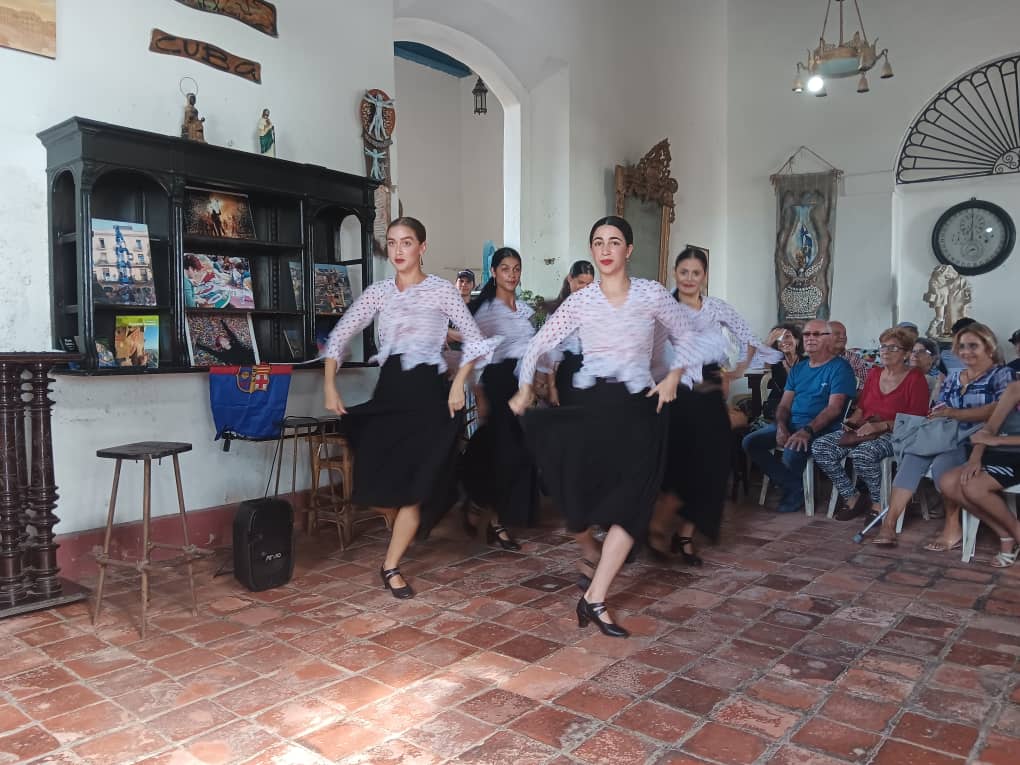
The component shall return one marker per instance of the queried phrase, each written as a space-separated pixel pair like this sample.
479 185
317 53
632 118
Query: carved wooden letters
205 53
257 14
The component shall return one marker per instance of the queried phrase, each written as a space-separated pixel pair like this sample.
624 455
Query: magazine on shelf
121 263
297 282
221 339
294 344
217 281
208 212
135 341
332 289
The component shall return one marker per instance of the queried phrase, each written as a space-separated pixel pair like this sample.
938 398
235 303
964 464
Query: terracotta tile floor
791 646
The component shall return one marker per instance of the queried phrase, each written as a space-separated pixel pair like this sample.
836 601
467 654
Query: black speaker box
264 543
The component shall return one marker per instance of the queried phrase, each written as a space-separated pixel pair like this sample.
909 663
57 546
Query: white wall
918 209
327 54
931 43
450 165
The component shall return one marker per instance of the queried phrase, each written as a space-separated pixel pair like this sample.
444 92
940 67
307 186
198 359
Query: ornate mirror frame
649 183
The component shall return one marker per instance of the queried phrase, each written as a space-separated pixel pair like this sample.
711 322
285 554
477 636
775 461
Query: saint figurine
267 135
192 127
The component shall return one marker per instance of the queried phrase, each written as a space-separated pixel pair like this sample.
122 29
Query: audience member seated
925 357
950 361
786 339
1014 340
855 360
866 435
993 465
817 390
968 395
912 329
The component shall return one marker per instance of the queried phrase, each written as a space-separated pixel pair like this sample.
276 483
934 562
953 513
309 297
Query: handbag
851 438
249 402
913 434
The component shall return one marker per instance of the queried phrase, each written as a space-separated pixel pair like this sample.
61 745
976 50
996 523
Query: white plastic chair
970 523
809 487
886 466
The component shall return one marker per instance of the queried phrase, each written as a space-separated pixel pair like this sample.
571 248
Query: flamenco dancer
602 458
698 455
404 436
567 356
499 471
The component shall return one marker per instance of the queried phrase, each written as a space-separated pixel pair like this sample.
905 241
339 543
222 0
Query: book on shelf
104 353
226 338
297 281
294 344
208 212
122 263
217 281
332 289
136 341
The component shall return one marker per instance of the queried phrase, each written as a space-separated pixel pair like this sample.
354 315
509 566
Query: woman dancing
698 456
567 356
602 458
404 436
498 469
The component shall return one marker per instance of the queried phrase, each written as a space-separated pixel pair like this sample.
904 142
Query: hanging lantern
479 92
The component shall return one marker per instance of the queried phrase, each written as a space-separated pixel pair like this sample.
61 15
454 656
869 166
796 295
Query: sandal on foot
1006 559
937 545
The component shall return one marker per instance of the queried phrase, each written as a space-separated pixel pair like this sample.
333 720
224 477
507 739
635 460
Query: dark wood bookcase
301 214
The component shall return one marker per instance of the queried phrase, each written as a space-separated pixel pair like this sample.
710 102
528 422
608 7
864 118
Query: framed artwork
221 339
121 263
217 214
29 25
332 289
217 281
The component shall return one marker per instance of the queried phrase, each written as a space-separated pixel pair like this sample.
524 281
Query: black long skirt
601 459
404 442
497 468
698 456
569 366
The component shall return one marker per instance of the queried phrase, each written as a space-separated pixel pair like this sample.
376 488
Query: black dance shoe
402 593
592 612
493 534
679 543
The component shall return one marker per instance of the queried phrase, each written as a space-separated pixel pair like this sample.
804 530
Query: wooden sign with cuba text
257 14
205 53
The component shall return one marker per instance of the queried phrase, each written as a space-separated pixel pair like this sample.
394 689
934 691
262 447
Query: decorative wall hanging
805 226
378 119
949 294
969 129
205 53
383 218
29 25
644 196
257 14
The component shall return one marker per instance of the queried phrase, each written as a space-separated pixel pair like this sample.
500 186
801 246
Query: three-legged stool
146 451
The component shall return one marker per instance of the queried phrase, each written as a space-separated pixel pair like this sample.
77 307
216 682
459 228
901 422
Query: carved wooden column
29 578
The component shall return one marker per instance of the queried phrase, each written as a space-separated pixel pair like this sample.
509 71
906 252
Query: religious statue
267 135
949 294
192 128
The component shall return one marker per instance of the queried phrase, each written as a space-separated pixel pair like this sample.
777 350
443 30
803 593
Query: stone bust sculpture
949 294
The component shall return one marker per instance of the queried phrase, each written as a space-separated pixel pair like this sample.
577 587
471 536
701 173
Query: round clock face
973 237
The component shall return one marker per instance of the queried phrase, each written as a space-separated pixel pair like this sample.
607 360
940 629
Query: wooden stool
146 451
332 453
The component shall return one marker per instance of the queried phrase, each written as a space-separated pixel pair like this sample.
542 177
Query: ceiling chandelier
843 59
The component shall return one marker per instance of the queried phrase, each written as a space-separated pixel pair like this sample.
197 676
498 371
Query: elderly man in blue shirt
813 403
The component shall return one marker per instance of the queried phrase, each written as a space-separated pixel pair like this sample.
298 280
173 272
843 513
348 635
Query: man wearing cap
1015 340
465 283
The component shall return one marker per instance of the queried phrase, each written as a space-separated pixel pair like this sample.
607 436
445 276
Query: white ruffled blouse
494 318
412 323
618 341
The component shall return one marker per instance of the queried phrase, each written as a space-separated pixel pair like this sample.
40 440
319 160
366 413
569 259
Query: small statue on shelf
267 135
950 295
192 128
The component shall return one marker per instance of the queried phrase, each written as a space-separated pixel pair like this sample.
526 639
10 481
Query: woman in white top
404 438
698 457
602 459
498 470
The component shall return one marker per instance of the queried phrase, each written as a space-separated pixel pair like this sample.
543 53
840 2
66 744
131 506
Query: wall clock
973 237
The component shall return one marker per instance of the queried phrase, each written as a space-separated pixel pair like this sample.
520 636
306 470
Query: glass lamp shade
480 92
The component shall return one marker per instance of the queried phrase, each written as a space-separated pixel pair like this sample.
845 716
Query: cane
859 536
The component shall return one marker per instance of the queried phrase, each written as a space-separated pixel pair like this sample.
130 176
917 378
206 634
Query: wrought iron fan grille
970 129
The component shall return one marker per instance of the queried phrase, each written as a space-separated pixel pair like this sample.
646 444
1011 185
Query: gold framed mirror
644 196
